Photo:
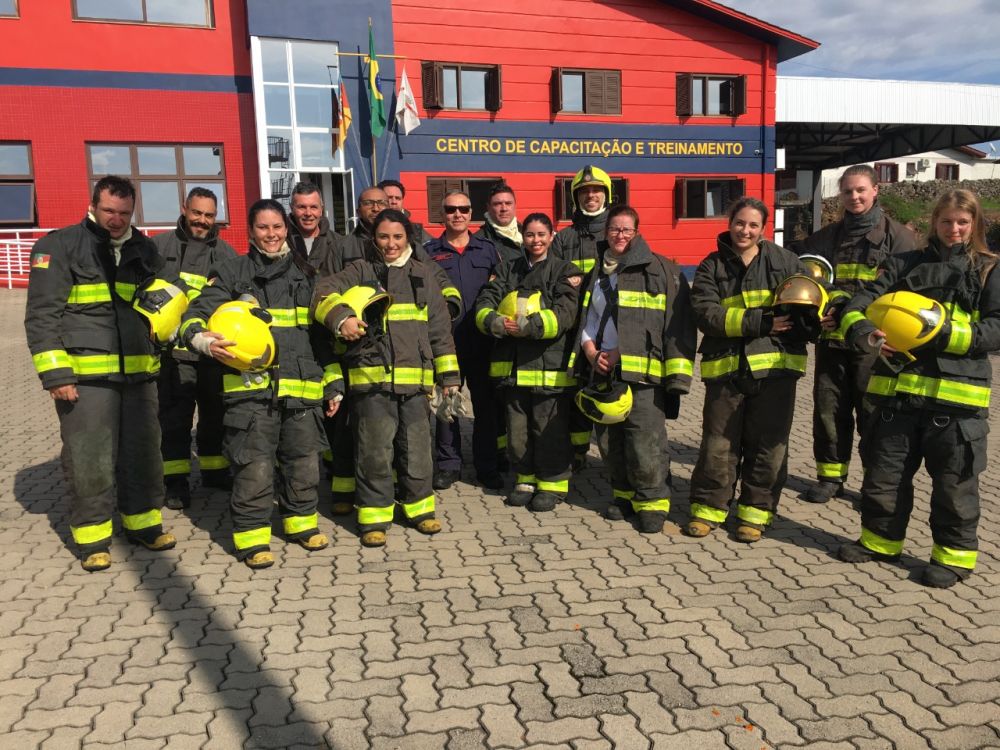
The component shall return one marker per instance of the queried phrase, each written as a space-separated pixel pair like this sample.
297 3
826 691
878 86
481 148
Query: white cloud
893 39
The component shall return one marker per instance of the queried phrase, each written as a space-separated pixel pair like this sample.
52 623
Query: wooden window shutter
593 92
680 207
564 205
436 189
613 92
430 77
494 89
556 84
683 94
619 190
739 96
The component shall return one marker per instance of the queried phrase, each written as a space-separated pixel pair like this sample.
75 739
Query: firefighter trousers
953 449
258 435
386 424
340 434
538 438
475 370
745 429
111 436
636 451
839 404
181 386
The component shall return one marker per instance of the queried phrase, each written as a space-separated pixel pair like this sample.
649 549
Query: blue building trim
103 79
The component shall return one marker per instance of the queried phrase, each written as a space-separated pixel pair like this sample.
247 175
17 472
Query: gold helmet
818 267
605 402
907 319
161 304
591 175
250 327
800 289
514 305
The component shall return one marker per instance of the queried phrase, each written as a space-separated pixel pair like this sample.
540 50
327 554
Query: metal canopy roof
823 123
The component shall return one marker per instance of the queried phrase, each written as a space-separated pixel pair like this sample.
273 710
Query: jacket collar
324 227
268 269
591 224
638 254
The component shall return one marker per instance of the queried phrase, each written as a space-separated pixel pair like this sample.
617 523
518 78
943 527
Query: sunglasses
452 209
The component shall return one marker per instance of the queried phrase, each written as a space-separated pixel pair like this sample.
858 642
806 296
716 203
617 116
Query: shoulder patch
40 260
574 281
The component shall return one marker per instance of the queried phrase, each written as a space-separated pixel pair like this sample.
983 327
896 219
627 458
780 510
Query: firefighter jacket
304 370
508 250
656 333
578 242
194 260
856 263
540 360
952 372
414 349
326 245
469 271
732 306
79 319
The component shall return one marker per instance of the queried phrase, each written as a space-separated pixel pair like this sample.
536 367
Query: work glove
201 343
457 405
496 326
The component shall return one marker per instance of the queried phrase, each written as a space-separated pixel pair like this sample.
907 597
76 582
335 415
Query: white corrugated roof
863 100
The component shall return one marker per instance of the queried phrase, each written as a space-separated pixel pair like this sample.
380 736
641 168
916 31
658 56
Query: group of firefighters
315 343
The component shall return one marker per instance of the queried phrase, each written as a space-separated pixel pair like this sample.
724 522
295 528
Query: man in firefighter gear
94 355
591 195
394 355
273 416
531 308
192 251
310 232
470 262
855 246
501 226
930 403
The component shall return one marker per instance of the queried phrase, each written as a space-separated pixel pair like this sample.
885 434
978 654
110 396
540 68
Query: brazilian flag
375 101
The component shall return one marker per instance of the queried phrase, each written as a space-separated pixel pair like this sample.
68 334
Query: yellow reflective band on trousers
947 391
177 466
88 294
656 368
550 326
193 280
140 521
754 515
289 317
661 504
234 383
254 538
360 376
734 321
213 463
960 338
708 513
406 311
446 363
544 379
343 485
585 264
622 494
369 515
855 272
307 390
579 439
957 558
643 300
54 359
749 298
879 544
777 361
325 305
126 291
298 524
525 479
481 316
501 441
561 485
831 470
332 373
93 533
419 507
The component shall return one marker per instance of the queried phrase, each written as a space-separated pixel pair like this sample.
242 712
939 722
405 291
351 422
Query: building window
911 169
887 171
592 92
17 184
453 86
705 198
564 196
163 175
477 188
168 12
711 96
8 8
946 172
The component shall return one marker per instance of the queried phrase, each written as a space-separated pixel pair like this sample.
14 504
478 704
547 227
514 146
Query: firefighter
309 232
752 358
192 251
394 320
637 336
930 389
590 193
855 246
501 226
531 308
273 414
94 354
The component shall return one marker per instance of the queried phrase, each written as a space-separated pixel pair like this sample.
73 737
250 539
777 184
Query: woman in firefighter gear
273 398
392 362
752 356
636 327
531 307
930 405
854 246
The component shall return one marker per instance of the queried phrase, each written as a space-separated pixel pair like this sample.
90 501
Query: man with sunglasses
470 261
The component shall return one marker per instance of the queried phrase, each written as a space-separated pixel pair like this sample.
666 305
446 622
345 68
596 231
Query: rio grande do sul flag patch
40 260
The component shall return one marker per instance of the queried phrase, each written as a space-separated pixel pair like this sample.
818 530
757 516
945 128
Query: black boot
178 493
823 491
940 576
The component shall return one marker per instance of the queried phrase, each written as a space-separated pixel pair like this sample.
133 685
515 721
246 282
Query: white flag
406 107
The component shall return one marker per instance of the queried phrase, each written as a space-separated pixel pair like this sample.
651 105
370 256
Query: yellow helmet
907 319
369 303
161 304
818 267
250 327
514 305
799 289
605 402
591 175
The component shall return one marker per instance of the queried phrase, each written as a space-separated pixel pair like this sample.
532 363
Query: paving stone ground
508 630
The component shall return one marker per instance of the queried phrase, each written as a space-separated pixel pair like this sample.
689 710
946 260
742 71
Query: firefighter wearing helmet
934 316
